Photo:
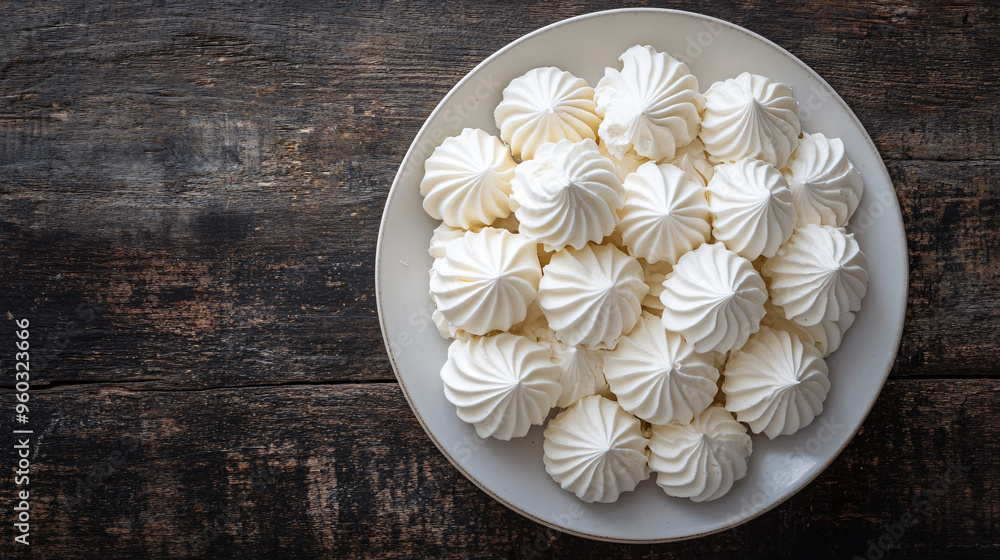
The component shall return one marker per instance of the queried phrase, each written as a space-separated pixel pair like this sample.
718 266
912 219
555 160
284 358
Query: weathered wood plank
290 296
346 471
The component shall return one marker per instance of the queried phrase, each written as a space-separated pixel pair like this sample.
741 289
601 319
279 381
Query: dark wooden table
190 194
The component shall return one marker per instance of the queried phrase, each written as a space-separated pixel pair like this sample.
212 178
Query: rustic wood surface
190 194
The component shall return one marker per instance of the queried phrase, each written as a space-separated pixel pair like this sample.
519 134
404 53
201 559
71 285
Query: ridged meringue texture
819 275
501 384
658 376
625 165
443 234
700 460
826 188
752 209
694 159
714 298
651 106
546 105
665 213
750 116
592 296
595 450
567 195
486 280
467 179
825 335
776 383
582 369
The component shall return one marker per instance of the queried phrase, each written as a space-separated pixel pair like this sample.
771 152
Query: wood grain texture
190 195
345 471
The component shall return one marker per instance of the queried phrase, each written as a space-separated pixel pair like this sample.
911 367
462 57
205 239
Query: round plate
512 472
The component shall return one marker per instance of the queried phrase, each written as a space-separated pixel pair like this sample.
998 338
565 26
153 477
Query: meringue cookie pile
669 267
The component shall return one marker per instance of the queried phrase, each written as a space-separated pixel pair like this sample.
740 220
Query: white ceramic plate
512 472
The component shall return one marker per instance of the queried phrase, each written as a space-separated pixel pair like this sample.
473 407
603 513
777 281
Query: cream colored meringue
652 106
714 298
750 117
819 275
567 195
825 335
467 180
591 296
700 460
501 384
658 376
665 213
595 450
752 209
776 383
546 105
694 159
655 274
443 234
486 280
625 165
826 188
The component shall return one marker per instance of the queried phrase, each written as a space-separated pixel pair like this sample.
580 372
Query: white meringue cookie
502 384
819 275
826 188
591 296
652 106
694 159
750 117
443 234
567 195
665 213
467 180
658 376
776 383
825 335
546 105
700 460
625 165
595 450
582 369
651 302
714 298
486 280
752 209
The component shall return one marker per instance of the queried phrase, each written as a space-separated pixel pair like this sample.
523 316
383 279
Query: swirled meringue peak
652 106
546 105
592 296
467 179
694 159
595 450
486 280
819 275
714 298
776 383
567 195
825 335
750 116
658 376
700 460
665 213
752 209
502 384
826 188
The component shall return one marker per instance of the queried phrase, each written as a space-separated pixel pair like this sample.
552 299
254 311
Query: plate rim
404 163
